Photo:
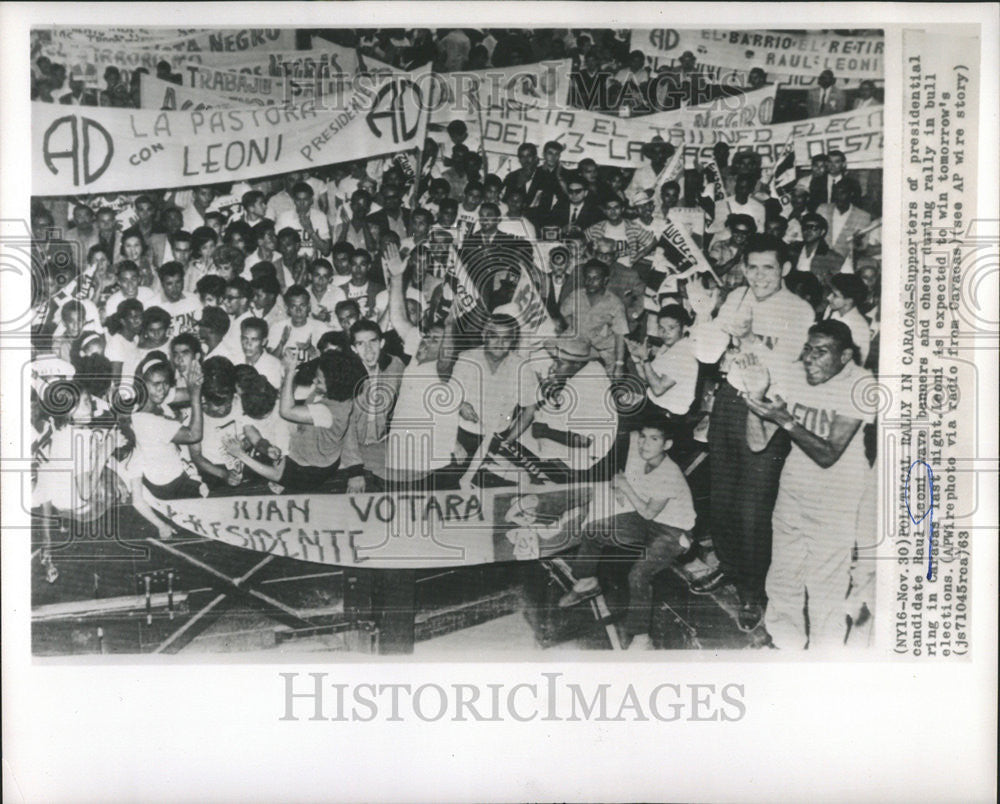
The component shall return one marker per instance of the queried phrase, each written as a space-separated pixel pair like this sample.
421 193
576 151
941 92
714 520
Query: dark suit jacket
835 101
542 190
825 262
590 213
552 300
381 220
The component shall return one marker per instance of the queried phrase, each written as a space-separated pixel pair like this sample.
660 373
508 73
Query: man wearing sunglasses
814 255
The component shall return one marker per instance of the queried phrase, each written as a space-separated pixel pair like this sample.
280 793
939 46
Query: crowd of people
362 327
608 74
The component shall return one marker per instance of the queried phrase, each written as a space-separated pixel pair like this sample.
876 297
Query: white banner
101 36
90 61
98 150
775 52
616 141
155 93
738 110
230 40
542 85
380 531
325 59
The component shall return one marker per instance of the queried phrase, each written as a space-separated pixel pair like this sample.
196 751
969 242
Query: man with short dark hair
845 219
817 182
826 98
183 308
236 302
375 398
577 211
253 344
540 186
764 322
393 217
597 315
212 328
814 254
494 259
311 224
631 241
815 521
265 304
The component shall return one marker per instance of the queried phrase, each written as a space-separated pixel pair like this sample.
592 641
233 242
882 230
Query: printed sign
775 52
98 150
619 142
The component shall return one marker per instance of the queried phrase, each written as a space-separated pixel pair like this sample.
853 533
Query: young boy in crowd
653 510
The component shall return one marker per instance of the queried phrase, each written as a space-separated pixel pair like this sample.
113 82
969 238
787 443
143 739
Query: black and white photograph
299 308
308 303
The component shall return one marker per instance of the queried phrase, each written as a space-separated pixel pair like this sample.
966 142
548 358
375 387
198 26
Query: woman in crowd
157 463
321 435
135 249
124 327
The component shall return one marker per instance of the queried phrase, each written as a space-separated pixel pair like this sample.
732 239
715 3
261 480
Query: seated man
652 509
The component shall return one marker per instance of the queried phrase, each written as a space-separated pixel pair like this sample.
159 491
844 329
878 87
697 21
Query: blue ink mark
928 514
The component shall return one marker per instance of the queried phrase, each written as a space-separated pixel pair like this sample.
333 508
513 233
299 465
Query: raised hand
194 377
756 377
290 359
393 260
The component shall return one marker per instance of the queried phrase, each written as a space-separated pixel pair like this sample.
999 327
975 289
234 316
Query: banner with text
229 40
737 110
619 142
99 150
464 94
416 530
155 93
775 52
323 60
380 531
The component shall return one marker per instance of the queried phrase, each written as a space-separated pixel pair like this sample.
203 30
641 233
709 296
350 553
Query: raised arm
395 266
193 431
289 409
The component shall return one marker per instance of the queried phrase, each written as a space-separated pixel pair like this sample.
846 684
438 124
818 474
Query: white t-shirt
147 298
272 427
159 457
290 220
424 425
836 488
305 336
782 321
270 367
360 294
679 364
466 222
126 352
214 430
184 313
493 395
666 480
618 235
